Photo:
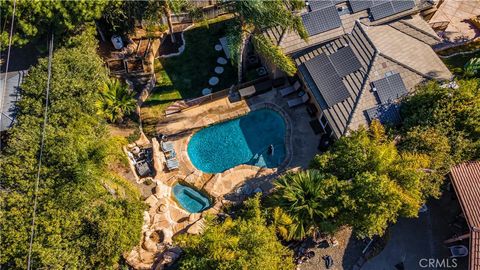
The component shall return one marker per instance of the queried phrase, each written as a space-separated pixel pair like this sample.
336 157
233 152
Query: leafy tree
472 67
452 114
242 243
253 17
311 199
403 179
116 101
37 18
87 215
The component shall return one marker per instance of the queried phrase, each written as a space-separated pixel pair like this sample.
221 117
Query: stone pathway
213 81
219 70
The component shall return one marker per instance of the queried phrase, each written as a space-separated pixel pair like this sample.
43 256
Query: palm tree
472 67
116 101
311 199
252 17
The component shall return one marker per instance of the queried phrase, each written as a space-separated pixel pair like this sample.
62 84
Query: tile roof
408 51
377 59
291 42
11 94
465 178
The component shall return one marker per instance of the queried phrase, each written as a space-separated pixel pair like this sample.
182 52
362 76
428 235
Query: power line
4 87
42 144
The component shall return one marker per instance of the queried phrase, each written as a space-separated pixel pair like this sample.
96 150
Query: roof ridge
362 90
418 29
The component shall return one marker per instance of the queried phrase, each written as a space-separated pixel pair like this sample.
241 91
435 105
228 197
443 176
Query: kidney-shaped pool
257 138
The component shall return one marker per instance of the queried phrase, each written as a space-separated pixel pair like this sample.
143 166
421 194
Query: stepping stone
206 91
213 81
218 47
221 60
219 70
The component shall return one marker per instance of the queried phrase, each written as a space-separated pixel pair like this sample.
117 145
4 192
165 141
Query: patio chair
172 155
458 251
172 164
167 146
298 101
290 89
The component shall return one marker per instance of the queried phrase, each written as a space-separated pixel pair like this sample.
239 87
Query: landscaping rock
218 47
219 70
221 60
213 81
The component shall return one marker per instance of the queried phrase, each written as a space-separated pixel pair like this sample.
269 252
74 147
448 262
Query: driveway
415 240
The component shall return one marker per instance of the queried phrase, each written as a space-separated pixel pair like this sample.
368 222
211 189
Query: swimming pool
257 138
190 199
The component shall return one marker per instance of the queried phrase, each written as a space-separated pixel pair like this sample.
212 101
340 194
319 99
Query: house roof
9 97
466 181
408 51
291 42
378 60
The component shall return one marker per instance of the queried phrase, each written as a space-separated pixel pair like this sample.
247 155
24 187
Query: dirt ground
344 255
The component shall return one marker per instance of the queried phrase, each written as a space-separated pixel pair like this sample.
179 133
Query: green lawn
184 76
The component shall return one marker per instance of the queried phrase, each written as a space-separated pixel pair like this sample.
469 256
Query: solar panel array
386 114
321 20
390 88
359 5
320 4
345 61
328 82
385 9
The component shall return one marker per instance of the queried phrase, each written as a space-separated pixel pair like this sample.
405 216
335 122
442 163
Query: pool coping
212 119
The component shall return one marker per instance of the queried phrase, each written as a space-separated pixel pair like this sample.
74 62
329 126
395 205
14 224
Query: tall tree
252 17
37 18
87 215
242 243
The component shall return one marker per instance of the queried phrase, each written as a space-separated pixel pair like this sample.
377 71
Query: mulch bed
167 47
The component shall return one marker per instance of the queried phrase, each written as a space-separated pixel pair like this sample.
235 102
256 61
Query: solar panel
319 4
328 82
386 114
390 88
322 20
345 61
389 8
402 5
359 5
382 10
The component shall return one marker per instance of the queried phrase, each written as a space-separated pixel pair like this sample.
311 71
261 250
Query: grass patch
184 76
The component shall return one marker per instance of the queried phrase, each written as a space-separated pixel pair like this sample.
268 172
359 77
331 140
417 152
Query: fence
209 12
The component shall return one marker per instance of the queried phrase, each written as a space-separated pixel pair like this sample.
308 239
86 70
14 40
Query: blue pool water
244 140
190 199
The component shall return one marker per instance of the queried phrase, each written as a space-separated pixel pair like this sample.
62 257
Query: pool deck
166 217
180 128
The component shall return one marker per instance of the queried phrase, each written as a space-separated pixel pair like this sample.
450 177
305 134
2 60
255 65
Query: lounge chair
167 146
290 89
298 101
458 251
172 164
172 155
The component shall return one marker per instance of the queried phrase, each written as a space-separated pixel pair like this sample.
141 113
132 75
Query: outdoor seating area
171 160
142 160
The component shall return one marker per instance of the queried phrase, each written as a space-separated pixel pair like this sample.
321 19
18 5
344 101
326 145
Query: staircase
176 107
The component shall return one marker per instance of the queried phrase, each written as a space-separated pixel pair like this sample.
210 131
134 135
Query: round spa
257 138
